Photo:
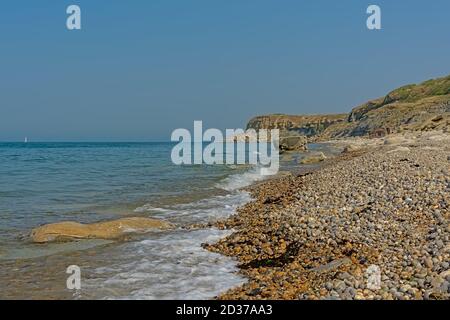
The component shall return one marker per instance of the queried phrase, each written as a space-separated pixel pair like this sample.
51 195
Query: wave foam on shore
171 266
241 180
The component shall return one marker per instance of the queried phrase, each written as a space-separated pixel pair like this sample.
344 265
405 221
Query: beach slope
372 223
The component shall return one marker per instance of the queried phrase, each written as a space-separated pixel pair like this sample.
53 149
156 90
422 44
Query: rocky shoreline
372 223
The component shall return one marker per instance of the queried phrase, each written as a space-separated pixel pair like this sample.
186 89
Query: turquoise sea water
88 182
48 182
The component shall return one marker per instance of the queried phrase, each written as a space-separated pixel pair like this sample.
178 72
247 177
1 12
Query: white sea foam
149 208
214 208
217 207
168 266
173 264
241 180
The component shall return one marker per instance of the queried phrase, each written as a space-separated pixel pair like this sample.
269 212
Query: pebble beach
370 223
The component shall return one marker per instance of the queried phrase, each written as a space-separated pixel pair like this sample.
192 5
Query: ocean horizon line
84 141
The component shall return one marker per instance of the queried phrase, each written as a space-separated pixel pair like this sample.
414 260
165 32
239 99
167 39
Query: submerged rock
315 158
69 230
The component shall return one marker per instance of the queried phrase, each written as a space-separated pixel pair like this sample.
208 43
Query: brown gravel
315 235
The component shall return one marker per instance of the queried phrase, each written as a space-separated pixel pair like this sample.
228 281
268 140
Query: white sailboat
26 140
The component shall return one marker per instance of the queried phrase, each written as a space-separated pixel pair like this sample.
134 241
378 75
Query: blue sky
139 69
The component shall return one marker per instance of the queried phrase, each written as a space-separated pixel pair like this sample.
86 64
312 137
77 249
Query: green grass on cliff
413 92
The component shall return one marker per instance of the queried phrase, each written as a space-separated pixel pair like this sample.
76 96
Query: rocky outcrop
293 142
424 115
308 126
67 231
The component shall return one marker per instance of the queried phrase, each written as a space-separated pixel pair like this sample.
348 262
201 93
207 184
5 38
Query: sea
44 183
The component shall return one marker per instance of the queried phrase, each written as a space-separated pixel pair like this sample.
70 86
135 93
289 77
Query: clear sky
139 69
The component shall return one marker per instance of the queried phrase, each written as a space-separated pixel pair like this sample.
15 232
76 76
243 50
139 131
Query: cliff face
420 107
426 114
305 125
415 107
411 94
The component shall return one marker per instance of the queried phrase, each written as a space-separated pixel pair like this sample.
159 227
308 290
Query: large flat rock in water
69 230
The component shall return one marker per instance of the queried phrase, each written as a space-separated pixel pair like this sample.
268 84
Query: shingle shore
383 208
